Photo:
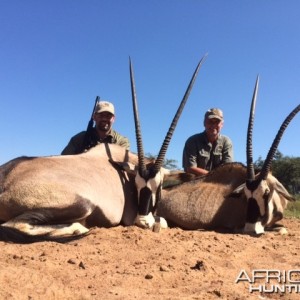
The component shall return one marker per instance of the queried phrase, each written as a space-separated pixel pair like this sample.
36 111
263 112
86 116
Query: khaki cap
214 113
104 106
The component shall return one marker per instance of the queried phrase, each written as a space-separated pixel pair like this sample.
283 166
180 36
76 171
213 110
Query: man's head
103 106
214 113
213 123
104 115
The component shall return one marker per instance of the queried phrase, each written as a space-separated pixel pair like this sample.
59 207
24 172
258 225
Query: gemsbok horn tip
164 147
142 166
249 150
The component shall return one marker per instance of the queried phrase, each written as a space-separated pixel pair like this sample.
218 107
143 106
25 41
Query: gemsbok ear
127 167
283 192
238 191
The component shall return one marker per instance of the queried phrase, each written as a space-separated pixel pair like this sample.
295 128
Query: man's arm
75 144
189 159
197 171
124 142
227 153
120 140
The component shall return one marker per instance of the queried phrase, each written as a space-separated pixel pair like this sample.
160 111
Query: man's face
104 121
213 127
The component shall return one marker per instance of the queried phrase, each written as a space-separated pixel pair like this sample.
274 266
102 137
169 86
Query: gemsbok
61 197
232 196
149 177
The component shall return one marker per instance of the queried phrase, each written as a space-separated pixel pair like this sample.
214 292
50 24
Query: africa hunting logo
271 281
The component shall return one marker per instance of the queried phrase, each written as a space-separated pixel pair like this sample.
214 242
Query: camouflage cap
104 106
214 113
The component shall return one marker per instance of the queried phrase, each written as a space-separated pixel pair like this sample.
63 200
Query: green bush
293 209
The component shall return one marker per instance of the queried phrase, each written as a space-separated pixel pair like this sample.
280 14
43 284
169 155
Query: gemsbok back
232 196
61 197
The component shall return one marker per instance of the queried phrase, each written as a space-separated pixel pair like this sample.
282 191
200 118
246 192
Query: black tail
12 235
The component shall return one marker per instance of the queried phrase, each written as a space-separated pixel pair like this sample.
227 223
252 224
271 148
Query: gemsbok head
149 177
265 194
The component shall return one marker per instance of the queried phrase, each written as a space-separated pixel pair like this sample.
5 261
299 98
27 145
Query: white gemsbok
61 197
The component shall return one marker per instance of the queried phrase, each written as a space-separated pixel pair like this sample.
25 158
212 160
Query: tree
286 169
170 164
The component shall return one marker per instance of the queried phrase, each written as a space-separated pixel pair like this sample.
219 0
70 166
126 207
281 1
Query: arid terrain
132 263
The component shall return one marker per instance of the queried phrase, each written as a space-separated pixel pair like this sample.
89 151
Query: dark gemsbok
232 196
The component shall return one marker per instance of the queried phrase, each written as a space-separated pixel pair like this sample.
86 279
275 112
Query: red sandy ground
132 263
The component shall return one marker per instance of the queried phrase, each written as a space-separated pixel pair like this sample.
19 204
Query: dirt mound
131 263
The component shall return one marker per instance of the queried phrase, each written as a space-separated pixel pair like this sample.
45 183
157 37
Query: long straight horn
164 147
141 157
267 164
250 167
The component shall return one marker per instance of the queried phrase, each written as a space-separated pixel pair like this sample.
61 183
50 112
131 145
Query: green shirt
75 144
199 152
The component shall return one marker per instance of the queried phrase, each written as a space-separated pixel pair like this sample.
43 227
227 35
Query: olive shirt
76 142
199 152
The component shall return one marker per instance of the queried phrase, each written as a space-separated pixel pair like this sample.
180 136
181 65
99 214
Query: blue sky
57 56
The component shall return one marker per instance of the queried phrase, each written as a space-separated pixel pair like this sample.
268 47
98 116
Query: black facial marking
253 213
145 201
252 184
148 173
266 202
